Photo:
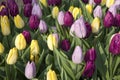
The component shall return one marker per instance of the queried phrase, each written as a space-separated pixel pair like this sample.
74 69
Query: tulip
20 42
114 47
34 47
95 25
4 3
27 1
65 45
52 41
27 36
77 56
103 2
89 29
44 2
42 26
97 1
5 25
36 10
97 12
60 18
12 56
117 20
91 2
108 20
51 75
1 48
18 21
4 11
89 8
30 70
68 19
54 2
55 12
2 7
34 22
85 1
34 58
89 69
78 28
113 10
76 12
27 10
71 9
117 3
109 3
34 2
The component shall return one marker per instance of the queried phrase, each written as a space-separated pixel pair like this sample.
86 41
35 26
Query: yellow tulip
12 56
89 8
34 48
20 42
76 12
95 25
51 75
34 58
103 2
5 25
71 9
19 23
1 48
55 12
44 2
109 3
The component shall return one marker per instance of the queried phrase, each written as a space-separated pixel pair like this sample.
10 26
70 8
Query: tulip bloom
95 25
60 18
44 2
85 1
55 12
12 56
27 36
1 48
76 12
97 12
52 41
89 29
34 47
51 75
65 45
89 8
71 9
77 56
5 25
20 42
113 10
19 23
27 1
109 3
54 2
97 1
103 2
117 20
27 10
30 70
4 11
42 26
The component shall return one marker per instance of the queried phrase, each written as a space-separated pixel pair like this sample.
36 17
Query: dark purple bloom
27 36
4 3
117 20
108 20
65 45
54 2
97 1
85 1
34 22
89 69
114 47
27 1
27 10
90 55
4 11
89 29
68 19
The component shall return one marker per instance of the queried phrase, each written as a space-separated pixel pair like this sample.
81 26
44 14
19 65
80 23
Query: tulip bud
27 36
103 2
34 47
117 20
77 55
76 12
4 11
27 10
78 28
97 12
42 26
89 29
52 41
34 22
44 2
36 10
20 42
12 56
30 70
97 1
51 75
85 1
91 2
109 3
27 1
54 2
71 9
55 12
89 8
113 10
68 19
61 18
108 20
1 48
18 21
95 25
65 45
89 69
5 25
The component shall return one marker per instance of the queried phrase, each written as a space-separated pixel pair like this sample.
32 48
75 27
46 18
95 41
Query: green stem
110 66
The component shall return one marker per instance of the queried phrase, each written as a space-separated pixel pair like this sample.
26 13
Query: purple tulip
85 1
68 19
97 1
108 20
27 36
30 70
54 2
4 3
89 69
114 47
113 9
27 10
117 20
77 55
27 1
65 45
34 22
4 11
61 18
97 12
89 29
90 55
42 26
